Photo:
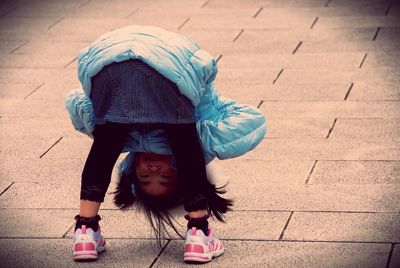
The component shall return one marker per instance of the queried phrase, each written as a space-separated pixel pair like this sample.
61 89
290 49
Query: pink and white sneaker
87 243
201 248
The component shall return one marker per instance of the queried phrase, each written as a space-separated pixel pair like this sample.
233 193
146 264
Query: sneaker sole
201 258
88 255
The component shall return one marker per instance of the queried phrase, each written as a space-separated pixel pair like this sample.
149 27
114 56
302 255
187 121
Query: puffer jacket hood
225 127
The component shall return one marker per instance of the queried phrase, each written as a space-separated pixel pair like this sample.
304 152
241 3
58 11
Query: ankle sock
199 223
92 222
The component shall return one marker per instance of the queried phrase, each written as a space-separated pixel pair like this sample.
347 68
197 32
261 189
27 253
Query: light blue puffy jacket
226 128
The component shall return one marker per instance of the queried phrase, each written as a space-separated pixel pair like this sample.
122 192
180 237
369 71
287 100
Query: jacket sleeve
228 129
80 110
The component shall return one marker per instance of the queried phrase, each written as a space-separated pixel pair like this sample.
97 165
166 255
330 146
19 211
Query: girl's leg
108 143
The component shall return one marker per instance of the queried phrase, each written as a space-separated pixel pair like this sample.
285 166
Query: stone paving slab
388 34
337 61
330 109
288 92
395 260
34 223
35 61
16 91
356 172
354 227
358 22
346 46
136 225
325 149
385 129
10 46
249 171
120 252
45 48
377 9
368 92
287 254
247 77
299 128
322 197
387 59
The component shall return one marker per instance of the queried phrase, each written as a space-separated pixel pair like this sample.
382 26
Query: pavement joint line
348 91
238 35
55 23
259 105
363 60
286 225
390 255
9 11
68 230
219 57
8 187
23 44
159 254
311 172
205 3
297 47
331 129
33 91
84 3
327 3
223 239
276 78
54 144
314 22
388 8
258 12
183 24
376 33
69 63
133 12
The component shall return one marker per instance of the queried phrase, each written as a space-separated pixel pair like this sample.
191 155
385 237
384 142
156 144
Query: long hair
157 209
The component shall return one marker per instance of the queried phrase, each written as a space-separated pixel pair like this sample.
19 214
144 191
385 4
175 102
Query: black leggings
109 140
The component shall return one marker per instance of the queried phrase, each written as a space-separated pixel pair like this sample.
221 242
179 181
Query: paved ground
321 190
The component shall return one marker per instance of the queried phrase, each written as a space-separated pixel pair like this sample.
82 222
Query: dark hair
157 209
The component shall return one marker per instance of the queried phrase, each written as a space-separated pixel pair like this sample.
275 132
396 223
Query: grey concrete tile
37 75
9 46
137 226
315 76
107 10
281 21
382 59
287 92
72 146
358 22
380 75
49 48
35 61
35 253
388 34
316 197
356 172
331 109
331 226
4 182
35 194
45 9
24 26
320 149
358 3
348 34
16 90
366 10
350 129
286 254
293 3
30 223
246 76
240 170
286 128
376 91
395 260
346 46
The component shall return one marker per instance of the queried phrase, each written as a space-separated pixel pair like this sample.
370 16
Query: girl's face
154 173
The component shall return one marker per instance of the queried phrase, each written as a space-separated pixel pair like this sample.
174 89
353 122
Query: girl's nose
154 167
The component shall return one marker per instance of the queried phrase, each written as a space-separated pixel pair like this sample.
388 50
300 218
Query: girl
150 92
